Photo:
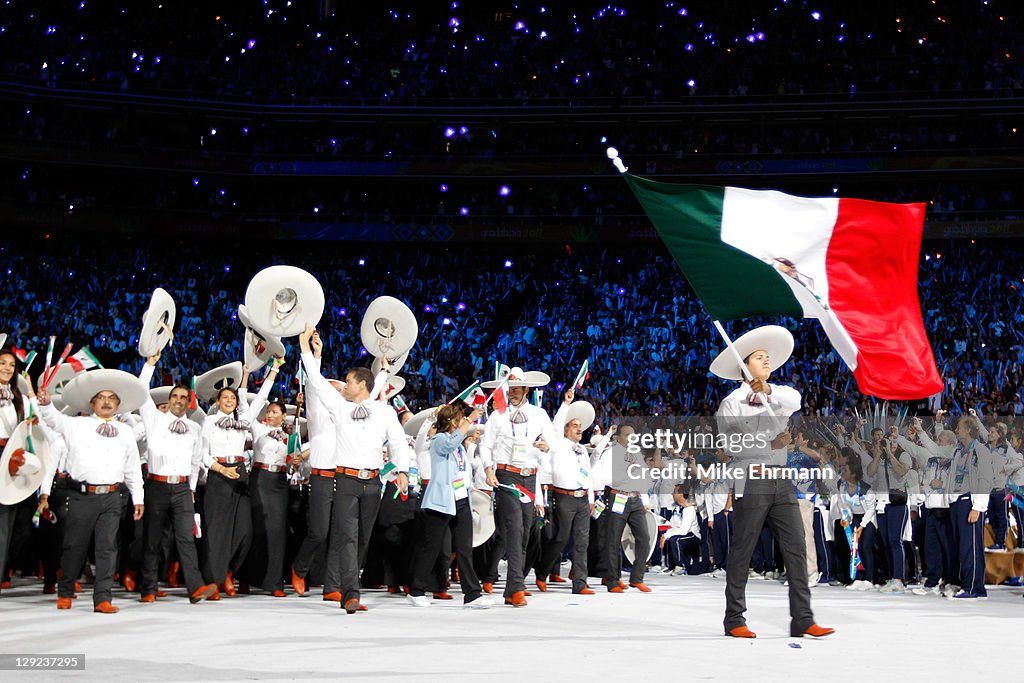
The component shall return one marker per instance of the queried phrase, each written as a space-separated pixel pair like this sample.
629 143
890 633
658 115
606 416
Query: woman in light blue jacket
446 505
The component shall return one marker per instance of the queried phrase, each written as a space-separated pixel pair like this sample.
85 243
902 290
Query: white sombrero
79 392
209 384
777 341
65 373
259 349
582 411
483 517
160 395
157 323
629 541
282 300
377 365
392 388
412 427
23 463
389 328
518 378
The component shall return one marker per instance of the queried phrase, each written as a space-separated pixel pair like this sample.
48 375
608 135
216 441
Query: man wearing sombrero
516 444
102 461
762 410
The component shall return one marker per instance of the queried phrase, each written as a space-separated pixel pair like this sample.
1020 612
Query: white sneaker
859 586
893 586
717 574
924 590
679 571
949 590
418 600
665 571
483 602
813 579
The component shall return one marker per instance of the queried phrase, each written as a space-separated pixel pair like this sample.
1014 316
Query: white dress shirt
507 443
219 442
737 415
360 442
96 459
570 467
170 454
9 415
321 425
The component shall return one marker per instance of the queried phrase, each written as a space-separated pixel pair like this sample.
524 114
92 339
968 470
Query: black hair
361 374
234 413
18 401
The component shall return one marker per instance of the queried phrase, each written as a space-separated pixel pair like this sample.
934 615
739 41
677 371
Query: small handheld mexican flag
499 396
300 376
582 376
536 396
399 404
26 357
193 400
294 443
472 395
83 360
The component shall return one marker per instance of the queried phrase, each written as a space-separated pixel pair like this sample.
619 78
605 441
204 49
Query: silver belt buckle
364 474
579 494
103 489
526 471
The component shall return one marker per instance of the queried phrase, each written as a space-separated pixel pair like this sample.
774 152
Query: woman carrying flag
762 410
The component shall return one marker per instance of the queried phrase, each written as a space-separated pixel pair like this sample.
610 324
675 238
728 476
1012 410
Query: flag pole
743 366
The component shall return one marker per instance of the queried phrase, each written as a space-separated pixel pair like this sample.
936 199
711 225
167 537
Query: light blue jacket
444 470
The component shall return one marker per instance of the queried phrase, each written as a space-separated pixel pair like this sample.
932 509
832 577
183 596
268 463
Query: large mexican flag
850 263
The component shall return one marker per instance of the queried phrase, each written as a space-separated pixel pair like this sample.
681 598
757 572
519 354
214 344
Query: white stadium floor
673 633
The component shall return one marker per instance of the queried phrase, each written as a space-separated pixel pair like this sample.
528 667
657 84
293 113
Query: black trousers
572 517
269 495
597 552
228 519
435 525
321 502
51 536
774 500
7 514
298 521
356 502
515 519
635 515
90 518
169 505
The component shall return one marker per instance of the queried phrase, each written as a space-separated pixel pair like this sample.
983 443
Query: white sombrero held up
79 392
23 464
157 323
392 388
259 349
282 300
396 364
518 378
777 341
388 328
